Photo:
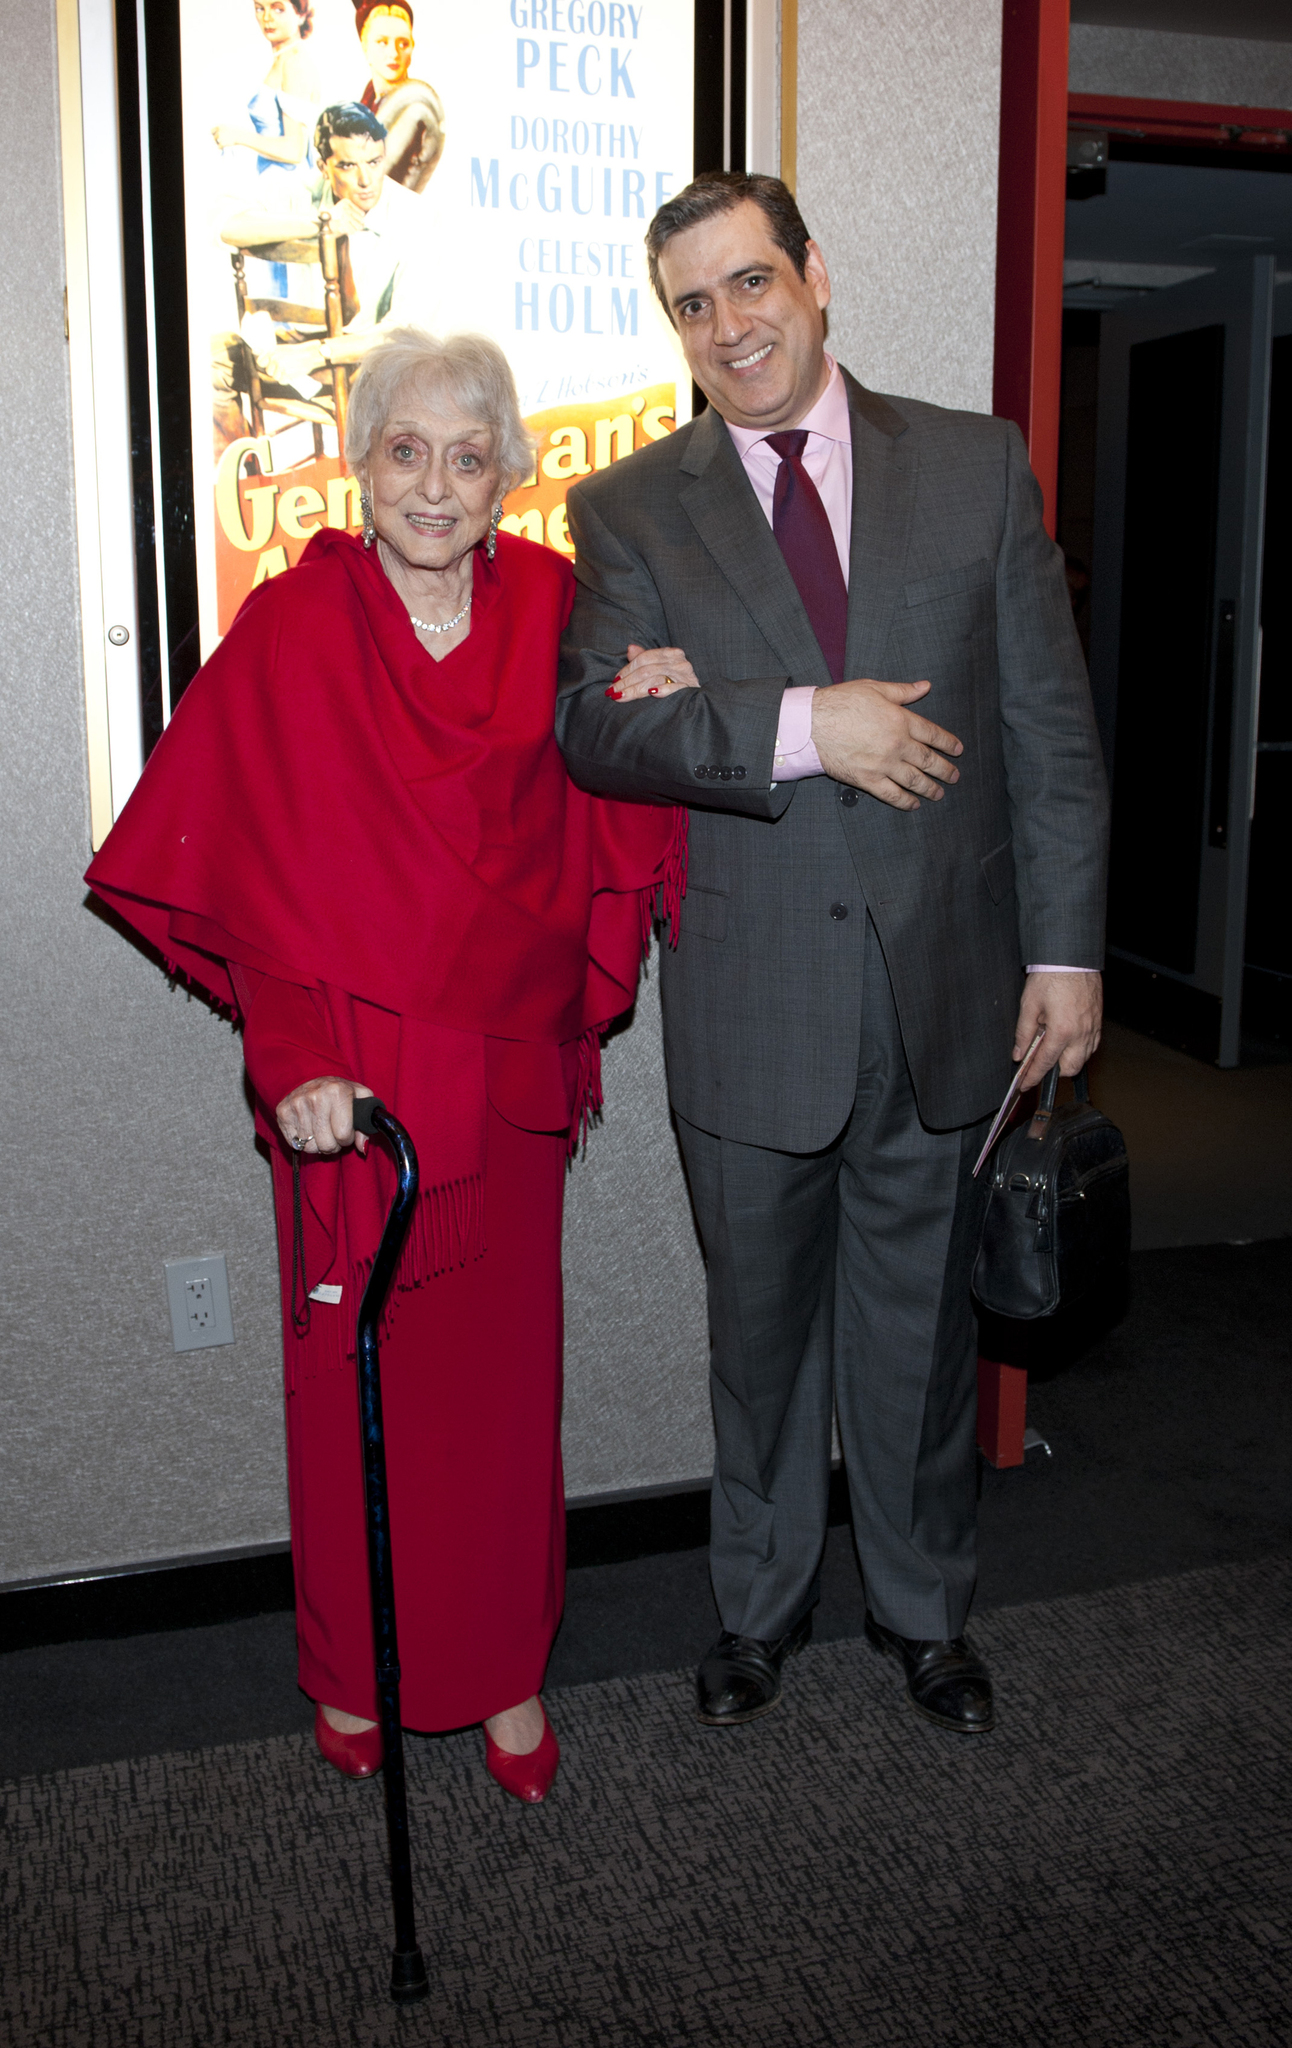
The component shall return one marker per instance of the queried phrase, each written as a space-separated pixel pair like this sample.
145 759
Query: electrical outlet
198 1293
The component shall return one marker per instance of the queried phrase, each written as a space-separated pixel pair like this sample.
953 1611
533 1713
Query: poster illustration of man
379 252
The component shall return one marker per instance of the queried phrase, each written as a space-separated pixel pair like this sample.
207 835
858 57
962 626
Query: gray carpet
1110 1868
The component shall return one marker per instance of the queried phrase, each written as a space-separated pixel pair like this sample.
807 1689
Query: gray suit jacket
952 577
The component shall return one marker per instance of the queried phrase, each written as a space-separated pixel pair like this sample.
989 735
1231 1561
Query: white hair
473 368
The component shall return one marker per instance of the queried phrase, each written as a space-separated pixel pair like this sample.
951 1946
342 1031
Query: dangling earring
369 530
492 548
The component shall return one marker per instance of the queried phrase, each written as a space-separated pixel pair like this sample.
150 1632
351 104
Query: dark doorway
1267 995
1168 567
1163 273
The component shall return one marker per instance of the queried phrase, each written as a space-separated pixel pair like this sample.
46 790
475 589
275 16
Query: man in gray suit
880 905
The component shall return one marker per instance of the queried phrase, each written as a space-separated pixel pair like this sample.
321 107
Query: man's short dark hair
715 192
348 119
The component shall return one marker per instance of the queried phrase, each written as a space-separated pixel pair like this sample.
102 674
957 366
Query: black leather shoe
741 1676
945 1681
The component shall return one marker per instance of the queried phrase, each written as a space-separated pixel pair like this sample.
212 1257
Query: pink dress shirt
827 459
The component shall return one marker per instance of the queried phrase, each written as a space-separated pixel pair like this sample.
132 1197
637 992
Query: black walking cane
407 1969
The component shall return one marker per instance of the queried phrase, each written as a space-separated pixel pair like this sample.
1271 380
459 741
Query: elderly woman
357 832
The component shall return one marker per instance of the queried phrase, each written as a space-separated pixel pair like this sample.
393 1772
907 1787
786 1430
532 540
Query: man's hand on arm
865 735
1070 1007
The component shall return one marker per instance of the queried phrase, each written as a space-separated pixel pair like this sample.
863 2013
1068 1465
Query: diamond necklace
425 626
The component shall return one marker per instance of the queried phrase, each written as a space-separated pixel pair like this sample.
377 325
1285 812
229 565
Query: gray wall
1142 63
899 113
134 1140
127 1139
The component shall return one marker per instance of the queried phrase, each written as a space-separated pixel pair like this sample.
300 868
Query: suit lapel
883 502
722 506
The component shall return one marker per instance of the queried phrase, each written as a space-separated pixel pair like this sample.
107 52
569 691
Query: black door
1267 993
1175 617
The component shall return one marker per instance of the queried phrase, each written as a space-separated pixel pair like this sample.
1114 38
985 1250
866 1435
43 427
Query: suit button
716 773
738 773
838 912
849 797
702 772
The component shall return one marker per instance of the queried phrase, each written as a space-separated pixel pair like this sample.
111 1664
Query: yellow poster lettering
568 454
571 438
529 525
229 501
295 506
343 502
620 431
272 563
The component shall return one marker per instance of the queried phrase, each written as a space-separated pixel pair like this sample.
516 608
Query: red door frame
1025 388
1029 229
1262 129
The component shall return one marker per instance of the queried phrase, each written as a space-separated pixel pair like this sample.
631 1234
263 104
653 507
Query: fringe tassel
447 1230
587 1091
179 977
673 887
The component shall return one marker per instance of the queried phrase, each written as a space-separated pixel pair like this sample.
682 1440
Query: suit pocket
951 582
998 871
704 913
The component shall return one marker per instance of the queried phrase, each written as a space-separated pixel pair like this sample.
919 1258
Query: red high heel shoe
358 1755
525 1777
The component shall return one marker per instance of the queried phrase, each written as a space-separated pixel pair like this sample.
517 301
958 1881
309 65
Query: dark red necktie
802 529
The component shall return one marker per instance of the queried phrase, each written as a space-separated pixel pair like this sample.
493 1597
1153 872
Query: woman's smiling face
432 475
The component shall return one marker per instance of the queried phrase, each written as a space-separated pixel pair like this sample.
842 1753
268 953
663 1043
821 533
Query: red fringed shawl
396 835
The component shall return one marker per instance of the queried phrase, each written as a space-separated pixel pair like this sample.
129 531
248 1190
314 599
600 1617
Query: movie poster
488 167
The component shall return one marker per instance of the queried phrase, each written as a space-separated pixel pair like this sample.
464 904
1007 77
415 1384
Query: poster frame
103 480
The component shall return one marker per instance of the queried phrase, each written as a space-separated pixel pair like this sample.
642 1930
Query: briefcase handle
1049 1096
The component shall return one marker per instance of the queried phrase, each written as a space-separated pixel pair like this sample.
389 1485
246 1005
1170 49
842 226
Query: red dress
378 863
471 1392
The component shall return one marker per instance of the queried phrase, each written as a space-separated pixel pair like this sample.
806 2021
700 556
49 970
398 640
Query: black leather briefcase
1057 1225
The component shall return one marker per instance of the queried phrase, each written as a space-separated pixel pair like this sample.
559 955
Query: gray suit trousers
841 1277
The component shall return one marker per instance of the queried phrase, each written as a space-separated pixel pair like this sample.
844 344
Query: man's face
750 326
388 46
355 170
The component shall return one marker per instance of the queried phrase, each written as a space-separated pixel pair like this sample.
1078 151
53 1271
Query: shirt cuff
1063 970
795 755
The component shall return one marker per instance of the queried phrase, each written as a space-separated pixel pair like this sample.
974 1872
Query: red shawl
331 806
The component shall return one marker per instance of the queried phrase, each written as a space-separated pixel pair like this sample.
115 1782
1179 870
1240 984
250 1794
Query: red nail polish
616 694
652 692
